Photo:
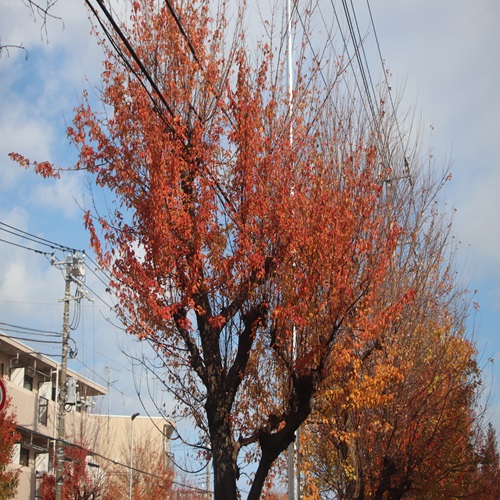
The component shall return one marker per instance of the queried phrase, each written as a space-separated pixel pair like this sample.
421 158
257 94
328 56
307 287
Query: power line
33 351
346 49
78 360
32 237
366 87
362 45
181 29
389 91
25 247
357 46
120 464
17 329
113 360
93 271
28 331
134 56
96 295
143 70
104 279
55 246
31 340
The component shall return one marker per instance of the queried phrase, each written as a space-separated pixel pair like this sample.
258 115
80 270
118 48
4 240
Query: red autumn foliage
250 261
43 168
79 481
9 477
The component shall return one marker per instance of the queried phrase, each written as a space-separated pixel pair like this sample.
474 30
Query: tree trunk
224 449
225 468
260 478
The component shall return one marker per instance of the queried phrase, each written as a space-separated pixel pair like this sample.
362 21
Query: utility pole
74 272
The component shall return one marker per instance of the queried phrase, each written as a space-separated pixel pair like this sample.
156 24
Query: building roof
27 356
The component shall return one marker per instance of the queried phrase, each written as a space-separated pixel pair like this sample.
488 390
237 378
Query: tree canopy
254 235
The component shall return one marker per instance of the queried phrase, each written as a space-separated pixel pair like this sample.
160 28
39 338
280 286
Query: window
28 382
43 410
24 457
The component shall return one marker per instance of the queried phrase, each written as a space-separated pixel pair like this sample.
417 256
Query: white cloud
63 196
29 288
446 51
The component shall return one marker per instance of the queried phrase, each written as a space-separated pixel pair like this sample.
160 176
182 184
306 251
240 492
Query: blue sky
444 54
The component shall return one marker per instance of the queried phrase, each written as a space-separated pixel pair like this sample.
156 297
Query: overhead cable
393 107
26 329
350 58
357 46
32 340
35 239
24 247
134 56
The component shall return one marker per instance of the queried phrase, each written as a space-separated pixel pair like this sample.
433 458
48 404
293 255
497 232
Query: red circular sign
3 395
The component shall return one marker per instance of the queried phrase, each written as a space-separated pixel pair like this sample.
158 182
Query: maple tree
9 477
81 480
251 262
403 419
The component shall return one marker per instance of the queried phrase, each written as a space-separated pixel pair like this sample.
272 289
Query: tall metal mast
293 448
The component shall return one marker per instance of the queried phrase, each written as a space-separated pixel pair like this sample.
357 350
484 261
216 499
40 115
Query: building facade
31 382
135 454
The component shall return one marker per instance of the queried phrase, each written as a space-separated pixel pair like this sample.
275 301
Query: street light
132 452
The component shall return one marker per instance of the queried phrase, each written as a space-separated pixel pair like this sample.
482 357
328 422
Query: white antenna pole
293 473
290 64
109 385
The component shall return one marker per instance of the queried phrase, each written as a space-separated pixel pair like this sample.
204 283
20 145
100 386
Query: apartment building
31 381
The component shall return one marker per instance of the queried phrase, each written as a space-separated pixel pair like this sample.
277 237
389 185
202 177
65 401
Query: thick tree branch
180 318
252 320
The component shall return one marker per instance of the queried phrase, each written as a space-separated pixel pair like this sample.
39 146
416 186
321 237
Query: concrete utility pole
74 272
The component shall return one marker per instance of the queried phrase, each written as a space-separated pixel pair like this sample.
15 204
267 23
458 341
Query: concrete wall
149 433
